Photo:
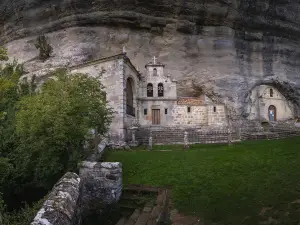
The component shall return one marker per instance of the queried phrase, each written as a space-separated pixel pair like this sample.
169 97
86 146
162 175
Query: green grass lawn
246 183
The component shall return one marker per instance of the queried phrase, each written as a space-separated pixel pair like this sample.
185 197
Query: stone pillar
185 140
150 141
229 137
101 185
61 206
133 141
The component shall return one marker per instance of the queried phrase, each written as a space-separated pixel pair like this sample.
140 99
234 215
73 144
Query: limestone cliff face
221 47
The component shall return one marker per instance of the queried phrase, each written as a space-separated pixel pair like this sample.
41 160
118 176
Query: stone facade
148 99
268 104
117 70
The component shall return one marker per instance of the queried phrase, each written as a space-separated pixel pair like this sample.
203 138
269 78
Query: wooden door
155 116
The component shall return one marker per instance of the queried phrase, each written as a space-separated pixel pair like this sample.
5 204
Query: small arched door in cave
272 113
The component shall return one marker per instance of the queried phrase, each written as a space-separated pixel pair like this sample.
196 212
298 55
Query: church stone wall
197 115
113 80
165 119
216 115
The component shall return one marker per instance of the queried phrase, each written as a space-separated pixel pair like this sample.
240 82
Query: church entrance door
272 113
155 116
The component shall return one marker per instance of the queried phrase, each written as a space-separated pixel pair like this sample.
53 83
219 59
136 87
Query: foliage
22 217
246 183
44 47
3 54
42 133
11 91
53 124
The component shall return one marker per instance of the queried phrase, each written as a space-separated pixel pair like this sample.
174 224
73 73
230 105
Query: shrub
43 46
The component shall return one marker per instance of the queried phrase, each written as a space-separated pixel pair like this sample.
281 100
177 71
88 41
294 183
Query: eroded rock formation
221 47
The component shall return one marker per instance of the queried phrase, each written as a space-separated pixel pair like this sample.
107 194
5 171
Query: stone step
122 221
153 217
142 220
134 217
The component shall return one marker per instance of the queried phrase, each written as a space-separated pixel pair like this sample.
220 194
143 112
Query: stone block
101 185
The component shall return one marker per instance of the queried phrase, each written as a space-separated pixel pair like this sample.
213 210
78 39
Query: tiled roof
191 101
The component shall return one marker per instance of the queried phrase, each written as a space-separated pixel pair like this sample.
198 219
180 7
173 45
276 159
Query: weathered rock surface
221 47
61 206
101 185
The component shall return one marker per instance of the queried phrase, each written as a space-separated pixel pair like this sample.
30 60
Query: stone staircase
153 212
270 130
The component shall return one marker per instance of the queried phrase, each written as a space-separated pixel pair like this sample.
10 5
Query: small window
215 109
149 90
166 111
271 92
189 109
145 111
160 90
154 72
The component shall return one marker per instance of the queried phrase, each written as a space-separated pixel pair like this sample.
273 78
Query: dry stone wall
101 185
62 204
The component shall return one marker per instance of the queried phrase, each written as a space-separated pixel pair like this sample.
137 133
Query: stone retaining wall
101 185
98 186
61 206
169 135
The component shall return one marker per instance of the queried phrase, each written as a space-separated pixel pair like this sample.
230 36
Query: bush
52 126
43 46
22 217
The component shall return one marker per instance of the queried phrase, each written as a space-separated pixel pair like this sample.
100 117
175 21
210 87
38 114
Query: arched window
160 90
215 109
271 92
149 90
154 72
130 110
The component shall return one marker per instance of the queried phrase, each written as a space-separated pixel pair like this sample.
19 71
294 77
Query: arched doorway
130 110
272 113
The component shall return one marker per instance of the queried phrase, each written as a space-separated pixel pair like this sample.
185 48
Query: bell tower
154 69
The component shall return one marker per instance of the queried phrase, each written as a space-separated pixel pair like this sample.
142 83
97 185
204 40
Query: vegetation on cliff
43 133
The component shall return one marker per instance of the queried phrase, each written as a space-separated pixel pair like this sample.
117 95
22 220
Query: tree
53 124
43 46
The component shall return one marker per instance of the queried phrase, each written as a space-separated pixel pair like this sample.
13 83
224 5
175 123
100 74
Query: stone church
149 98
268 104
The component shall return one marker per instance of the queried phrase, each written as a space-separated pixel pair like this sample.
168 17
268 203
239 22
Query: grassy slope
224 184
